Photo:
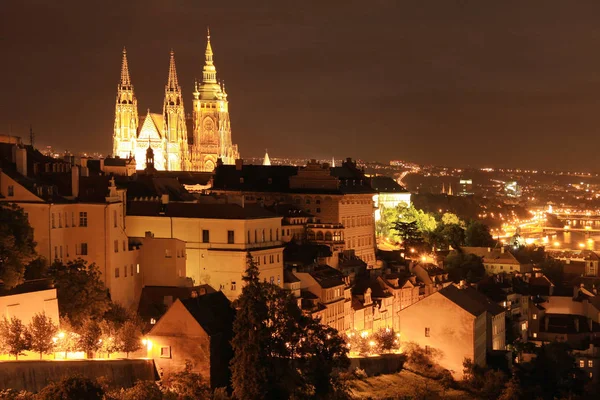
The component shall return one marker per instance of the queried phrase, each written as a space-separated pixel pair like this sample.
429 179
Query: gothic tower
175 128
212 128
126 116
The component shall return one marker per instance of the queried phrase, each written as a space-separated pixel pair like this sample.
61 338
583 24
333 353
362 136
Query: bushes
72 388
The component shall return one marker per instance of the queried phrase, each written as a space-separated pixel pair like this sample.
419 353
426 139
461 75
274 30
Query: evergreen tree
16 337
42 331
249 366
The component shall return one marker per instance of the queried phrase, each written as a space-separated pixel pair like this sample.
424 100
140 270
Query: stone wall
384 364
35 375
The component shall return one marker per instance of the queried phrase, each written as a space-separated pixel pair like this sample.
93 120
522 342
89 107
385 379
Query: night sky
480 83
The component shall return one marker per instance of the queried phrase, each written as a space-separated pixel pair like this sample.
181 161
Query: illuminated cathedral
178 143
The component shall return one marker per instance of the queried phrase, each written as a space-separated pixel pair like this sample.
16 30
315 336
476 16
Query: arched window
328 236
263 235
276 233
311 235
255 236
319 235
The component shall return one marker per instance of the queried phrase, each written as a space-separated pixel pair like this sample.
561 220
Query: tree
478 235
72 388
109 343
81 292
129 337
142 390
512 390
553 269
452 235
409 234
17 248
451 219
67 340
249 366
16 337
42 331
386 340
90 334
462 266
187 385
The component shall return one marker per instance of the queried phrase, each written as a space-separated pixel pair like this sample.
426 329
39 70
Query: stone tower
212 128
126 116
174 119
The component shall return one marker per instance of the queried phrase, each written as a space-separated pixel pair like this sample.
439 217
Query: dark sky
481 83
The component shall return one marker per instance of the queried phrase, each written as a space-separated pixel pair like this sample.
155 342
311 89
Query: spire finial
209 72
125 79
172 83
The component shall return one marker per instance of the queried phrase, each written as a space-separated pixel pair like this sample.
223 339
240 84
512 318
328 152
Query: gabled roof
152 127
152 298
492 255
212 311
471 300
385 184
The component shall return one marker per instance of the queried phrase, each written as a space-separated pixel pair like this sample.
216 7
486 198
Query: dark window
116 246
318 209
427 332
230 237
11 190
83 218
205 236
116 272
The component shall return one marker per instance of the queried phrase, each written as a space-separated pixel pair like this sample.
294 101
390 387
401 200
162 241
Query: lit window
581 363
590 363
137 267
534 334
534 316
152 321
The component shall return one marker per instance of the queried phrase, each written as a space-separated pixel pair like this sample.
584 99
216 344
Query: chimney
102 164
75 181
239 163
83 162
502 249
21 160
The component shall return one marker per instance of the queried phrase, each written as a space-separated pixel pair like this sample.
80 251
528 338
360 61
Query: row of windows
116 246
272 258
361 220
81 249
179 252
83 219
118 271
590 363
359 241
370 201
262 235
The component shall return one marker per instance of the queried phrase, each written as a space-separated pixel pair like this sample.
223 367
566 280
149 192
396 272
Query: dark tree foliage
552 374
409 233
277 350
450 235
553 269
478 235
72 388
186 385
81 292
17 248
462 266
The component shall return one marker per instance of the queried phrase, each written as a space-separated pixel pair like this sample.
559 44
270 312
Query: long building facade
178 144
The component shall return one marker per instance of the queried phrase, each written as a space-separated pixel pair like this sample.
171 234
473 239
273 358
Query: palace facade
179 142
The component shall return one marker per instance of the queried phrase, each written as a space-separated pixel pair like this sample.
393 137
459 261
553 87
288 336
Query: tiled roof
152 298
386 184
492 255
197 210
471 300
213 312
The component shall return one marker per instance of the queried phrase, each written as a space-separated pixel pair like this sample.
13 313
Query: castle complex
179 143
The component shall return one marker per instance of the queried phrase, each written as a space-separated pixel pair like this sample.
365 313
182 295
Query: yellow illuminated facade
175 148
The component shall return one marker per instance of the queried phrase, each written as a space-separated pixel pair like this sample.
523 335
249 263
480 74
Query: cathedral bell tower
126 116
175 127
212 127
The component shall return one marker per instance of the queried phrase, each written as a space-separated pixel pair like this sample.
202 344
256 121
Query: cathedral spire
125 79
209 72
267 160
172 83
